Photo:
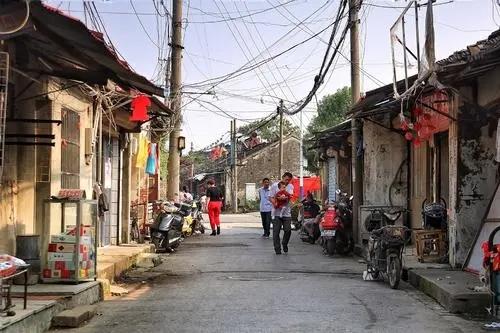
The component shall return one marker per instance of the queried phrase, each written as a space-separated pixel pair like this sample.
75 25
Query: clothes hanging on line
142 154
151 164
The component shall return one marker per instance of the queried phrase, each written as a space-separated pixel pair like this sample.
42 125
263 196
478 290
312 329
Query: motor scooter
385 246
166 230
194 221
336 234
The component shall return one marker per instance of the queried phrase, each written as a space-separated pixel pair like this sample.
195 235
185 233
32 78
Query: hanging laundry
139 107
151 165
142 154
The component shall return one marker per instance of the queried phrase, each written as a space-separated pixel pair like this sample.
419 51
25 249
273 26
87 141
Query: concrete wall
265 163
385 152
477 170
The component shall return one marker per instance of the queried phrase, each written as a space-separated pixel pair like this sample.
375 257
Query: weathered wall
17 188
384 170
75 101
265 163
477 170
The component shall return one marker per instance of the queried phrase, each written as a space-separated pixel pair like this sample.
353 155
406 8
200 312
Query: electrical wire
246 67
142 25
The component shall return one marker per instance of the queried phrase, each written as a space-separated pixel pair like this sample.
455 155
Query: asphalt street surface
235 283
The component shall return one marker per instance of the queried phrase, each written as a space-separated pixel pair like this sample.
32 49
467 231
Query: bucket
28 247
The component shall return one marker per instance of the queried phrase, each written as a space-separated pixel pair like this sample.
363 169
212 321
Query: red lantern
409 136
404 125
140 106
417 112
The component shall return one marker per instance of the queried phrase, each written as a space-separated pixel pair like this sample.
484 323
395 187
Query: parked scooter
311 216
166 230
385 253
336 227
194 221
385 247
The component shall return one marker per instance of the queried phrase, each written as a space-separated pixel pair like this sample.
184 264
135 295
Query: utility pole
174 156
357 186
280 168
234 165
301 159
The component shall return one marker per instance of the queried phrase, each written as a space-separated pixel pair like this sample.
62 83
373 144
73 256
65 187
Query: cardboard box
84 273
71 239
87 264
67 274
47 273
62 256
84 230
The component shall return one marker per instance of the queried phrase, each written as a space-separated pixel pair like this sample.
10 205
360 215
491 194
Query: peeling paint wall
384 170
477 170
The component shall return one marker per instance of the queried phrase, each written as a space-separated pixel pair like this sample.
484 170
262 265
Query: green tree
270 131
332 110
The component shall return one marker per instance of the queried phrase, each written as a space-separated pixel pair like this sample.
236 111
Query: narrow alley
235 283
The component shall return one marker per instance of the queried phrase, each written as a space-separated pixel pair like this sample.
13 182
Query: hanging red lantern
139 107
409 136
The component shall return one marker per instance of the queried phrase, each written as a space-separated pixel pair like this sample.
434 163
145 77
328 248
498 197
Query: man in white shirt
283 216
266 207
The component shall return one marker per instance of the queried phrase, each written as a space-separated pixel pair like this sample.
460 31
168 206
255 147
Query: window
70 149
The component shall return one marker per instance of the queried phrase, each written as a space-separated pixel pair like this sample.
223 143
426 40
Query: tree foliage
270 131
332 110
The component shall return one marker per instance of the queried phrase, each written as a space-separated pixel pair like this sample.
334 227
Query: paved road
235 283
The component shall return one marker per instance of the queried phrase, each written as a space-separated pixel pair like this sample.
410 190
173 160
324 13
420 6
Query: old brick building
263 161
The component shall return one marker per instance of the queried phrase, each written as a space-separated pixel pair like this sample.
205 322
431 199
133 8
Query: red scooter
336 237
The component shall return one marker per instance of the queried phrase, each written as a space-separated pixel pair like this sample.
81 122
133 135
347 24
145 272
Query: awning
333 135
74 51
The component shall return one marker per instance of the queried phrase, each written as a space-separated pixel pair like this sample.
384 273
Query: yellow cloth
142 153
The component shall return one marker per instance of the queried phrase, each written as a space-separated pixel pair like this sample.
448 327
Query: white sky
212 50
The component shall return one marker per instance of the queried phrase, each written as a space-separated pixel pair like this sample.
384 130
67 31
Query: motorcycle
385 245
166 230
309 226
194 221
336 227
385 253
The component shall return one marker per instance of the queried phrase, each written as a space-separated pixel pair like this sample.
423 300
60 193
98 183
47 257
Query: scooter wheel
330 246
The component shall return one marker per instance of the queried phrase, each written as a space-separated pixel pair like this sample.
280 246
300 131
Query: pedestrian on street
186 196
214 196
282 216
265 207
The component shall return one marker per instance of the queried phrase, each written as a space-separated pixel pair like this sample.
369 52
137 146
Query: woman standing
214 196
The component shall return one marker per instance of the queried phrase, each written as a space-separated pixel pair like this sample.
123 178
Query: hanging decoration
139 107
424 122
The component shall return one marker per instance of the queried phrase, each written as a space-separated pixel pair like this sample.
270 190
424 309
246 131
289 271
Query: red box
84 231
47 273
52 247
65 274
60 265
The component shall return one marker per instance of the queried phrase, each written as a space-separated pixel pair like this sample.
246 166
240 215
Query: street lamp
181 143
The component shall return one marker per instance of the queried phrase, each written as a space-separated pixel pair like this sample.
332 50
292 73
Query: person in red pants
214 197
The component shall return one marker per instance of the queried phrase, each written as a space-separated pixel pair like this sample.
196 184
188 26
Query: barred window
70 149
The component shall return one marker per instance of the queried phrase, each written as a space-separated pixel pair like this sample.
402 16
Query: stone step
74 317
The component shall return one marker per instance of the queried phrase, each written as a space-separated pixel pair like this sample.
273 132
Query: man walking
282 217
265 207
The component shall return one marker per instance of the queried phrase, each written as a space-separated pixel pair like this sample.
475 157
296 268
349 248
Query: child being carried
282 198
